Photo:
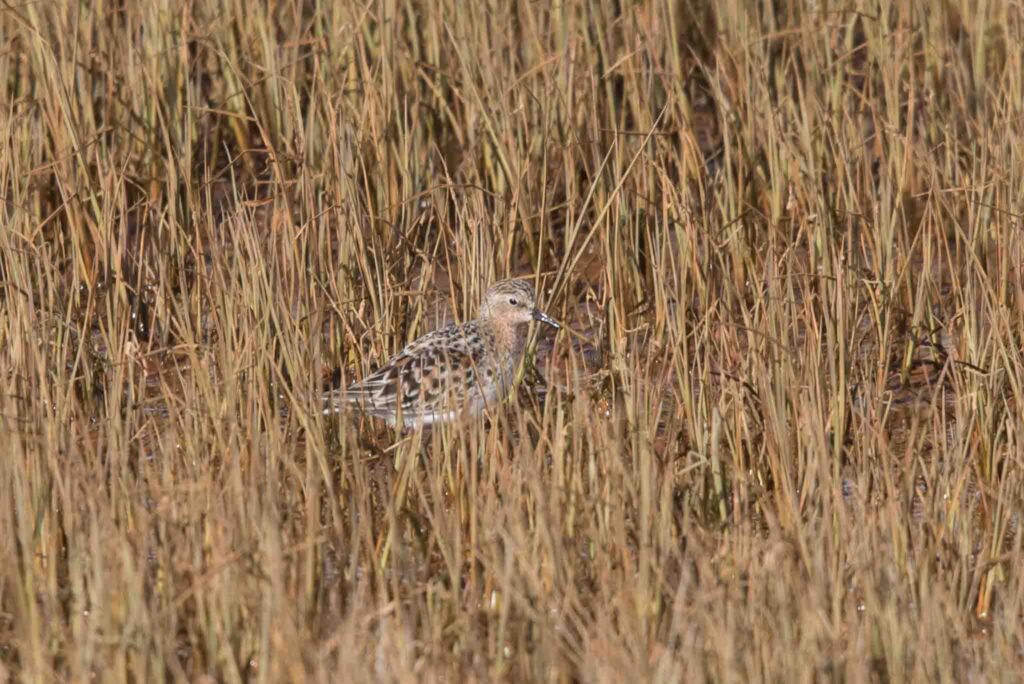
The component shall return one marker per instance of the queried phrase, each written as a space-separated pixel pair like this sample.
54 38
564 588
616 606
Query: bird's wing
421 377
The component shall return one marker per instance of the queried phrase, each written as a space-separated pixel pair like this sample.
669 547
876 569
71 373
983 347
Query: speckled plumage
459 369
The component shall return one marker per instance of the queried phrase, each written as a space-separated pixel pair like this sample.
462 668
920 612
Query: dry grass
780 439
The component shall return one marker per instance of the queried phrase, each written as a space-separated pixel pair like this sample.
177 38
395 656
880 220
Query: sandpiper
457 370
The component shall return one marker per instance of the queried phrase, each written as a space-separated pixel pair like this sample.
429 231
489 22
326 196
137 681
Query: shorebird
455 371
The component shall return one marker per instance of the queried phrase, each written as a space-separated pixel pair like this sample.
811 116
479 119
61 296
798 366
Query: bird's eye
513 301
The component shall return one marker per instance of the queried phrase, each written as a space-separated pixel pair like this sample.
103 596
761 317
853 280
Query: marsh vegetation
778 437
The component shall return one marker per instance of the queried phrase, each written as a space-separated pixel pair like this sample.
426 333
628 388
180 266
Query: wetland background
778 439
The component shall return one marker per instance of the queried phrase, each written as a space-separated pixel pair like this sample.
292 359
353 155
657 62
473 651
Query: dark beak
539 315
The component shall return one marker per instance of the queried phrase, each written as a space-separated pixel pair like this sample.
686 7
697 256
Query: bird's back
435 378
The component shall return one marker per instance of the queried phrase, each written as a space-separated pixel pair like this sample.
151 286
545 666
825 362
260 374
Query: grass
778 439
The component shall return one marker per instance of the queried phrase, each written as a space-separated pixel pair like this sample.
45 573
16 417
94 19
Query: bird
455 371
